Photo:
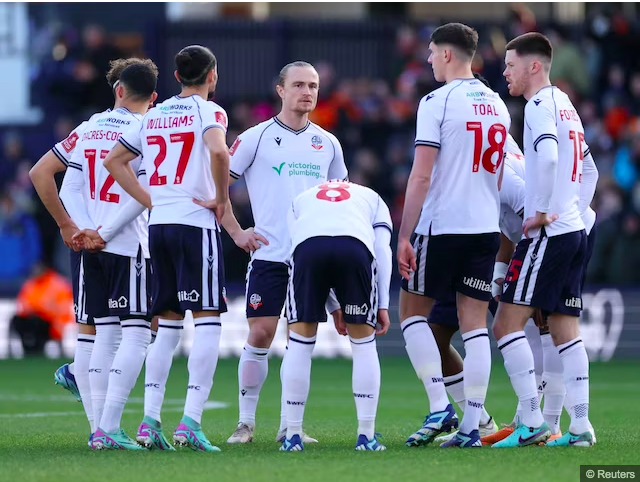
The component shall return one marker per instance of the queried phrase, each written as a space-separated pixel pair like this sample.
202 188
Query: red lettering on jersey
221 119
234 146
69 144
569 115
484 109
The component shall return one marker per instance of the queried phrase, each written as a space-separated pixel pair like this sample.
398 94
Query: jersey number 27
187 139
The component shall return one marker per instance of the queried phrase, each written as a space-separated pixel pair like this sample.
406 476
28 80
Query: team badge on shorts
316 142
255 301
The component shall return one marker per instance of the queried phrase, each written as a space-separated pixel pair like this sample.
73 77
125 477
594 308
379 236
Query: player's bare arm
417 189
42 177
117 163
219 153
246 239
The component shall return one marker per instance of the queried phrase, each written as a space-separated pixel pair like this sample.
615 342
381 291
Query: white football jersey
512 196
469 124
338 208
64 149
549 114
176 159
279 163
104 197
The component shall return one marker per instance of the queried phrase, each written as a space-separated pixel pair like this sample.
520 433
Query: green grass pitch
43 432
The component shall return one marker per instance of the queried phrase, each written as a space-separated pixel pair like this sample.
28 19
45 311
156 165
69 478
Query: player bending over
340 240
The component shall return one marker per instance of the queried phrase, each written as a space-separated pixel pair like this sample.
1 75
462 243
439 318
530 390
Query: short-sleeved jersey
468 124
64 149
279 163
549 114
338 208
177 160
104 197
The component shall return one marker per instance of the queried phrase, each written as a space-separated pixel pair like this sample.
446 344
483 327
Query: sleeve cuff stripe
214 126
130 147
543 137
75 166
428 144
383 225
234 175
587 152
60 156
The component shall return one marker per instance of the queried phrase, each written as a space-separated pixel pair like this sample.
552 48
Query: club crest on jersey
316 142
255 301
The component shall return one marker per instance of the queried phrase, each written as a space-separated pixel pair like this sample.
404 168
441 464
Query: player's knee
261 332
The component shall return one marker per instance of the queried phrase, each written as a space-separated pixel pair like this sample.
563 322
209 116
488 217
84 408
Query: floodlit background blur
371 58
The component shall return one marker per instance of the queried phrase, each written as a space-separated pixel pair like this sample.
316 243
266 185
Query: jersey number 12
105 195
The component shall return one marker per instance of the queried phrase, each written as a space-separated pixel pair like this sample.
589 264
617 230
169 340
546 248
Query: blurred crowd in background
595 62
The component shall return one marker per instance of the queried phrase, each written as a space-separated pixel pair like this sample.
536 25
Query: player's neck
293 120
136 107
201 90
461 72
535 86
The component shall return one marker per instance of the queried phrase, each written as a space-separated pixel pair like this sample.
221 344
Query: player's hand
537 221
66 232
248 239
90 240
384 322
540 320
406 256
215 205
338 320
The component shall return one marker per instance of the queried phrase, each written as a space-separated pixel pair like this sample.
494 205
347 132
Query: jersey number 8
333 191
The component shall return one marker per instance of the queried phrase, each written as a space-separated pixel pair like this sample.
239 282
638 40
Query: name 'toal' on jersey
468 124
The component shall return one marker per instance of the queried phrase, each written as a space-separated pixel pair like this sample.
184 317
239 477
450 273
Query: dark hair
193 64
483 80
117 66
139 80
458 35
283 72
532 43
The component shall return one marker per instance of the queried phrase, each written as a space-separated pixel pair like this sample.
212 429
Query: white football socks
107 341
125 370
202 363
252 373
158 365
425 357
366 383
